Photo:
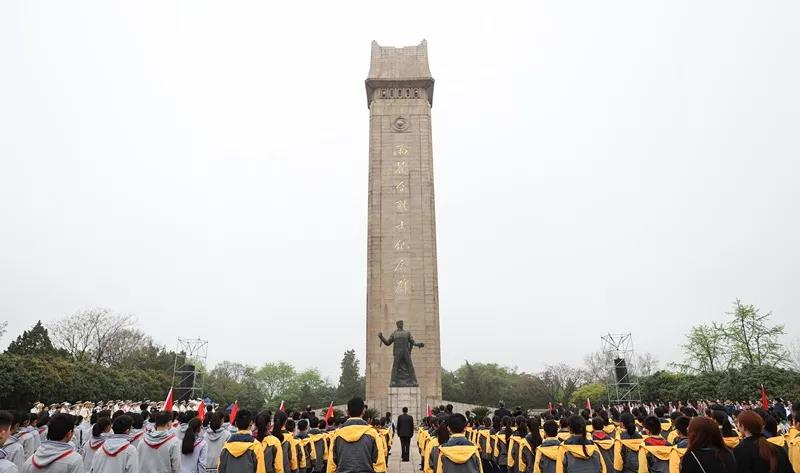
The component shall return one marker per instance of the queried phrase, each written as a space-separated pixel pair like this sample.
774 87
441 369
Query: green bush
27 379
734 384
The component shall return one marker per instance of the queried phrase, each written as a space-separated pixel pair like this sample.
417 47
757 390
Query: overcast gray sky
600 166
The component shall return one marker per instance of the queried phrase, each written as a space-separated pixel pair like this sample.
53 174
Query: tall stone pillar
401 250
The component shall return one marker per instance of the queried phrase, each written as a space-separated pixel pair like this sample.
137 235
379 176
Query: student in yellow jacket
578 453
428 464
319 444
520 453
681 442
500 446
242 453
547 452
457 454
604 442
483 440
626 448
355 445
273 454
793 439
297 456
655 451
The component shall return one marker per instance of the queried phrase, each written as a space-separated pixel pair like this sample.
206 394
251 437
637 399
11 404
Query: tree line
98 354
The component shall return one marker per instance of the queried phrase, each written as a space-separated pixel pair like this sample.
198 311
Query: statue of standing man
403 375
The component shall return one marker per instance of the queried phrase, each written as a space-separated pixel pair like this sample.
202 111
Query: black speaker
621 370
183 391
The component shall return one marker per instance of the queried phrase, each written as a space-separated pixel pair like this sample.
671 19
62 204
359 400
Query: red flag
282 407
588 404
169 401
201 411
428 411
234 411
549 406
764 399
329 412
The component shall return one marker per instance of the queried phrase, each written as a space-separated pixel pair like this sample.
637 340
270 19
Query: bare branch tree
96 335
559 382
646 364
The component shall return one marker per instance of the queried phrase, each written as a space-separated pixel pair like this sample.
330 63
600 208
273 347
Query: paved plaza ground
396 466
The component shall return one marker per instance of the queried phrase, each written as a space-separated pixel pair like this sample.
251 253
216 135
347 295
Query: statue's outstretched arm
386 341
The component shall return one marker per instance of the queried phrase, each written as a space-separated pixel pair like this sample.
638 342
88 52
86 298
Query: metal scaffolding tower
619 359
187 374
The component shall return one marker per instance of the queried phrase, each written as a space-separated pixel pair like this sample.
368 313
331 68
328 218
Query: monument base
406 397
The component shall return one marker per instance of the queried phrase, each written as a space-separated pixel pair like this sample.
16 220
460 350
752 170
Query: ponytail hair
534 424
278 421
262 426
102 424
577 425
522 426
192 429
724 423
507 428
628 422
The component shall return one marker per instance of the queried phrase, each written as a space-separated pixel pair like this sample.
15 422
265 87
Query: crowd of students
148 440
653 438
629 439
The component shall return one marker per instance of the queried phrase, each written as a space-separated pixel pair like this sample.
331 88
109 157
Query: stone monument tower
402 282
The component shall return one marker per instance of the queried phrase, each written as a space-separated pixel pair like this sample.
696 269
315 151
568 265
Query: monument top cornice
399 67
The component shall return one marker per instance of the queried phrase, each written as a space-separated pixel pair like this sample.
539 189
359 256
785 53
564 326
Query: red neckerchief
655 441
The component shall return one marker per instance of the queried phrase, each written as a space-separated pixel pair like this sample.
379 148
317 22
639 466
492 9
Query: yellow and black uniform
484 442
355 448
273 454
626 452
319 445
654 455
579 455
429 464
291 462
678 451
242 454
546 456
520 454
606 444
458 455
731 441
793 447
500 450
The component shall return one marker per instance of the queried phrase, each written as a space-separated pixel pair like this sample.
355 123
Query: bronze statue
403 375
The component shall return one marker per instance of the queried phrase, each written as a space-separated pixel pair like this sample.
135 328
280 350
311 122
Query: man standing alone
405 430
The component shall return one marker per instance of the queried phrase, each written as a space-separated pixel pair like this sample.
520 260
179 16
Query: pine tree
351 383
35 341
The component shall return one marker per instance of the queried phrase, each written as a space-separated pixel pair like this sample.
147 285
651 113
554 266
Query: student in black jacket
754 454
706 451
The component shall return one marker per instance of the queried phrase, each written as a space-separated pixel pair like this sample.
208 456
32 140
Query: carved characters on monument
403 374
400 150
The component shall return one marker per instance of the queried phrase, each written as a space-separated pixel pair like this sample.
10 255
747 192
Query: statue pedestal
406 397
